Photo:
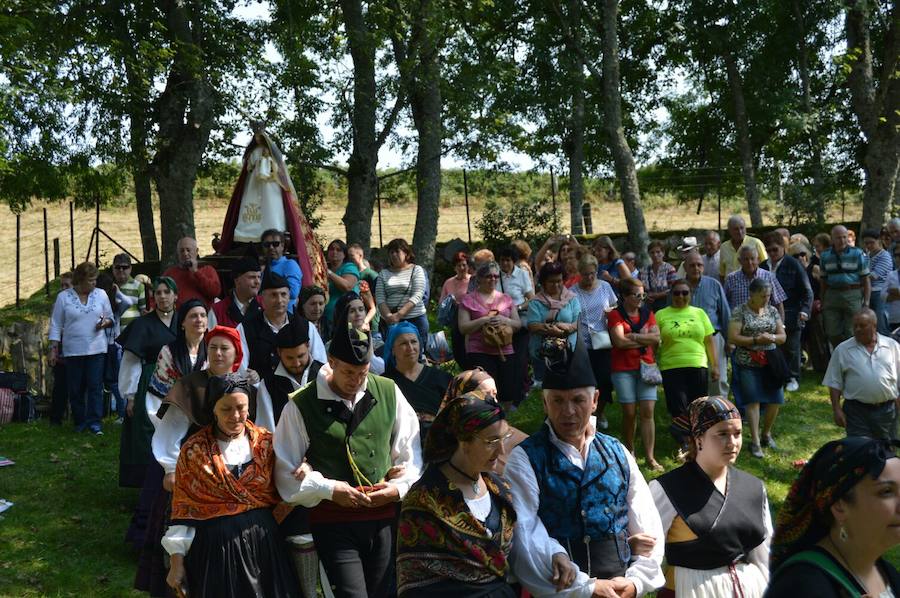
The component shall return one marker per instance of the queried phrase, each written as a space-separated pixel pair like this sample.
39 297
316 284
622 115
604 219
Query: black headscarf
181 355
219 386
827 477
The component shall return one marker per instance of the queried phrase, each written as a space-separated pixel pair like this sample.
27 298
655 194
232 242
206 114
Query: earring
699 446
842 534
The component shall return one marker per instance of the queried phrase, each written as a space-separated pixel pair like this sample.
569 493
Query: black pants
683 385
503 373
521 358
601 365
358 557
458 339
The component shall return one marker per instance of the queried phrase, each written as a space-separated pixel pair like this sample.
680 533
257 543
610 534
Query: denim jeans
111 377
84 381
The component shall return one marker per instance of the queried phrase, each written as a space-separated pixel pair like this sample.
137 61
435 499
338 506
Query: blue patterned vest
575 505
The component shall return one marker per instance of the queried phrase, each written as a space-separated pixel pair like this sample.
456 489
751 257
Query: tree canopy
697 97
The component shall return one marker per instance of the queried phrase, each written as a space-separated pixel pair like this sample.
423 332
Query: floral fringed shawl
206 489
439 539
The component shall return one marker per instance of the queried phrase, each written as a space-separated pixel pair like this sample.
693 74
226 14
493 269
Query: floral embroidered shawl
206 489
439 539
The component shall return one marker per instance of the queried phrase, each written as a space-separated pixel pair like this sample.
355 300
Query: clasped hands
352 497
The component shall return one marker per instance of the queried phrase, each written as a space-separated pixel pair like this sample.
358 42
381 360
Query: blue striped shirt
845 269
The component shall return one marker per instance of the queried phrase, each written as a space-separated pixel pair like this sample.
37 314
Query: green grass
64 535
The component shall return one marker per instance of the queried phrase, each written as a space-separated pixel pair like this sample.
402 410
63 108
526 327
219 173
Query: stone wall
23 349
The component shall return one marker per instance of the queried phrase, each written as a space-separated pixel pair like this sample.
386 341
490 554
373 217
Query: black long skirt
240 556
455 589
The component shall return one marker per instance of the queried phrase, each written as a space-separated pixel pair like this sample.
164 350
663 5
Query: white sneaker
792 385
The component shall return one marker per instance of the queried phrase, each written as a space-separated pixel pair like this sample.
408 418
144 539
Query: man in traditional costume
580 493
264 198
243 300
258 330
294 371
352 429
194 281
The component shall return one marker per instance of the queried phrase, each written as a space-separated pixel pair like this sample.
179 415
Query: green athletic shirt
682 333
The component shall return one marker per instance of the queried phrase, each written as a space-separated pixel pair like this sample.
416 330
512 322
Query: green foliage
526 219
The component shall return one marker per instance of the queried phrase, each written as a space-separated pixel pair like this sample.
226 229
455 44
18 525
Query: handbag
600 339
447 311
777 369
650 373
497 335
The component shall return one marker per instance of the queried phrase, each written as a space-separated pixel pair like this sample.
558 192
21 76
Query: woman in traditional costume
141 342
182 413
840 517
264 198
716 517
456 523
224 541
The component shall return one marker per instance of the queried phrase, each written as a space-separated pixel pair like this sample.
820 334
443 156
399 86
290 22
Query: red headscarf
235 338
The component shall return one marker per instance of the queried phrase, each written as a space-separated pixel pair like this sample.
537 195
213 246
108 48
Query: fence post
97 233
72 232
55 257
588 219
466 193
18 248
46 257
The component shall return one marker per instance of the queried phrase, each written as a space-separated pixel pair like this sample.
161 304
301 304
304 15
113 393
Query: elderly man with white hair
729 251
579 496
864 371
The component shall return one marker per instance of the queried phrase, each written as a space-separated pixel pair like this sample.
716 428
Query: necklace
475 481
846 563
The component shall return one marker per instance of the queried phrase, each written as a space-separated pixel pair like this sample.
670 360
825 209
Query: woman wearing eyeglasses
687 351
486 306
456 524
813 336
634 334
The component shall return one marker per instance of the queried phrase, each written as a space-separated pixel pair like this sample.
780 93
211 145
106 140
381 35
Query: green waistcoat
370 441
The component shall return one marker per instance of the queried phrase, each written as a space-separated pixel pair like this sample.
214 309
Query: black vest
727 527
280 387
260 339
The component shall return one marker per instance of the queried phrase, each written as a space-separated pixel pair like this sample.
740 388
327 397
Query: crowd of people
289 439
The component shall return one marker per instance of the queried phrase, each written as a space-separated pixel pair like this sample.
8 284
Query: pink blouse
454 286
473 304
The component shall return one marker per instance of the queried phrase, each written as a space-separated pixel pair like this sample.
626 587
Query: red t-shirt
627 360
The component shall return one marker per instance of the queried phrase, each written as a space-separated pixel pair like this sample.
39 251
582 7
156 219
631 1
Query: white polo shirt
862 376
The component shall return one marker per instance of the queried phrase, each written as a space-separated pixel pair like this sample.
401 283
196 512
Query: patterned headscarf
464 382
460 420
235 338
829 476
394 331
703 413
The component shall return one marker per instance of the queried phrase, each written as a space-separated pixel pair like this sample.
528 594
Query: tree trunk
575 142
817 194
745 144
138 94
144 203
426 104
362 177
876 104
185 114
624 160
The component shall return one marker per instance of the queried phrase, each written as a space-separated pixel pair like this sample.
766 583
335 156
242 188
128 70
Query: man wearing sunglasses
121 271
273 247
